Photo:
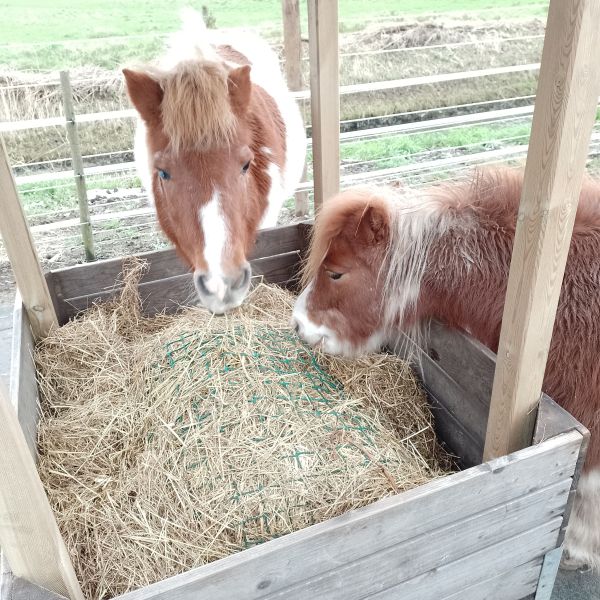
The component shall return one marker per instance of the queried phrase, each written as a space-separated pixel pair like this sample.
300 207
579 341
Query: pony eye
334 275
246 167
163 174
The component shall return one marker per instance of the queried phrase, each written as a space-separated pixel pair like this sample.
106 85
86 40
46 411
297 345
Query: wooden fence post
29 535
565 109
84 213
292 50
324 97
22 254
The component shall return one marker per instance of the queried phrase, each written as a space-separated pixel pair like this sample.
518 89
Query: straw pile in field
169 442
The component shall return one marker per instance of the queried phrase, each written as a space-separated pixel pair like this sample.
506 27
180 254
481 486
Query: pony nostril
201 285
242 280
297 327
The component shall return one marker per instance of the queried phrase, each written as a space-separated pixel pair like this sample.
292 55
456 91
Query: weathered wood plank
455 576
83 280
551 419
276 565
174 292
434 549
515 584
464 359
22 253
564 114
324 97
23 382
29 535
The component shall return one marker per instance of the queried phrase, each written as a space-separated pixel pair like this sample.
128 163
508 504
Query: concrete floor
570 585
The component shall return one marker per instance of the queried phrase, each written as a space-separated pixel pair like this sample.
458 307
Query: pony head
365 267
197 139
340 309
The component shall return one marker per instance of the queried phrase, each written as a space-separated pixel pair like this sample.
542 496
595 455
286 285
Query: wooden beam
22 254
564 114
29 535
325 97
292 43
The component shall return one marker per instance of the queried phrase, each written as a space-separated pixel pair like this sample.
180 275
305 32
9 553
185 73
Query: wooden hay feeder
493 530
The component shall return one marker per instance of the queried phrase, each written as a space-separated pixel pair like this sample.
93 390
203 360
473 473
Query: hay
169 442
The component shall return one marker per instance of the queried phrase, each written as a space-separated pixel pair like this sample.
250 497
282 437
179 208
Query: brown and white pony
220 144
383 260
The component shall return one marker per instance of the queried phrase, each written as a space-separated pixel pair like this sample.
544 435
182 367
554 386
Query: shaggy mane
195 108
332 220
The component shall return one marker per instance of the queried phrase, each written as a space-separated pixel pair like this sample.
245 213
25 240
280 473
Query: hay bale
169 442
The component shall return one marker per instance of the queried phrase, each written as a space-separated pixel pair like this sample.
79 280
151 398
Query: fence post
324 97
84 213
292 50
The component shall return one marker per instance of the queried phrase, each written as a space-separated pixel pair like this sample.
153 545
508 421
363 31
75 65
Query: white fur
216 236
324 338
194 40
266 73
582 540
275 199
417 220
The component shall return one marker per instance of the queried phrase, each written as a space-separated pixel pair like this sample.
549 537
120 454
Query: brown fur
204 121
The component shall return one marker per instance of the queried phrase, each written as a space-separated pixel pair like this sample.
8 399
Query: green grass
29 21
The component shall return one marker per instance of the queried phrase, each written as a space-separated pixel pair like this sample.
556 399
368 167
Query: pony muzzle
221 293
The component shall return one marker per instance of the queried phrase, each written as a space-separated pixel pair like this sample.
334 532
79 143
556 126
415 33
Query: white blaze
215 232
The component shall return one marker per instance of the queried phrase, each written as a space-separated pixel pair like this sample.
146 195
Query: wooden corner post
324 97
22 255
565 109
29 535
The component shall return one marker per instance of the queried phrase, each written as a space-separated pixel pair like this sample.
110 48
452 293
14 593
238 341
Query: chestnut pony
220 144
382 260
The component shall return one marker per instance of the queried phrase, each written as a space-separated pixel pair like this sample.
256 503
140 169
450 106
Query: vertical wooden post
22 255
292 44
324 97
292 50
565 109
84 213
29 535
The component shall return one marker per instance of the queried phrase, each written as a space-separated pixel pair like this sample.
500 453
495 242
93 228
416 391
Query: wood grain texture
565 108
100 276
292 43
309 554
499 558
23 381
324 97
22 254
172 293
29 535
517 583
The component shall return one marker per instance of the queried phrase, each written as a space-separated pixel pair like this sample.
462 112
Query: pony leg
582 540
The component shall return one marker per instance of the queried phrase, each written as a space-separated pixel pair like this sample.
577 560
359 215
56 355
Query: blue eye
163 174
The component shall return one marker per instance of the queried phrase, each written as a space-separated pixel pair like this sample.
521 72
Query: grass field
31 21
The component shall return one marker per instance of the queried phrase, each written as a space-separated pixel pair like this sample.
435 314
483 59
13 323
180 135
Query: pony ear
373 226
145 94
240 87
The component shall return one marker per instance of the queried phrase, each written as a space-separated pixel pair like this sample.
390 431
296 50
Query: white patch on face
266 151
274 199
323 337
215 232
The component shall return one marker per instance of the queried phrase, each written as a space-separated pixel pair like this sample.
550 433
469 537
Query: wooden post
29 535
84 213
292 44
565 109
22 255
292 50
324 97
